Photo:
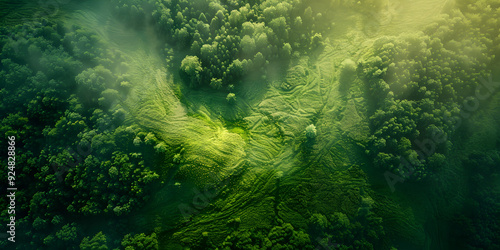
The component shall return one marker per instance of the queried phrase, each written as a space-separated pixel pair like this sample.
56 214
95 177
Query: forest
250 124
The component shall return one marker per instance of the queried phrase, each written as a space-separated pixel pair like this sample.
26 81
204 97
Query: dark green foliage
232 33
98 242
311 132
334 209
65 237
140 241
91 83
216 83
419 85
85 170
279 237
105 181
484 16
191 70
476 226
363 232
75 156
231 98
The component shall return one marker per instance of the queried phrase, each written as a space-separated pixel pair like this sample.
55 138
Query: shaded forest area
85 167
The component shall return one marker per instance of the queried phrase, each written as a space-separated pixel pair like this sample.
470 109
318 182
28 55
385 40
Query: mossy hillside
273 153
272 129
154 105
269 161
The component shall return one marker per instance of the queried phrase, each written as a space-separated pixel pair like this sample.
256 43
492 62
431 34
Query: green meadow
250 124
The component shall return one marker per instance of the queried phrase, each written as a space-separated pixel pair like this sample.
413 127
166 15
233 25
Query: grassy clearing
264 129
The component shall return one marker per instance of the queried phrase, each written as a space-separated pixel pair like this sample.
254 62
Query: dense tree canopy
420 85
250 32
72 139
91 175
